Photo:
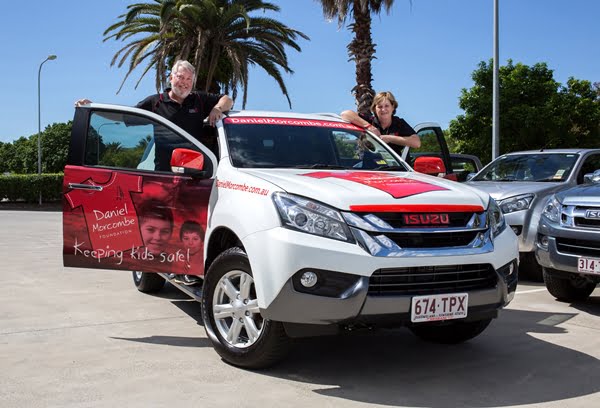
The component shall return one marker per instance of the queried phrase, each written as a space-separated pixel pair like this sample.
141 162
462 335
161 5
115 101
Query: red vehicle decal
397 187
291 122
417 208
111 223
147 223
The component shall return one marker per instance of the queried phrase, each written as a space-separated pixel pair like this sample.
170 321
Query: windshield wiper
392 168
320 166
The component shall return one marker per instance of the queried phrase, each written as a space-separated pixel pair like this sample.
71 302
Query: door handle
76 186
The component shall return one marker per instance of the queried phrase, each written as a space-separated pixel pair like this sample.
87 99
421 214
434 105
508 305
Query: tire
568 289
450 332
147 282
255 342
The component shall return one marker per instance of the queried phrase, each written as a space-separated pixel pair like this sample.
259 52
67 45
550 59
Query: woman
382 122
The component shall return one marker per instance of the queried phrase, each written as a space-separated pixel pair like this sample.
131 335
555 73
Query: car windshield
302 143
539 167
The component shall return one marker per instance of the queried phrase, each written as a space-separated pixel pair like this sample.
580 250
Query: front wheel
568 289
450 332
147 282
232 319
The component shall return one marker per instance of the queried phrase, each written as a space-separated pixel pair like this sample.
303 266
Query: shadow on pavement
19 206
170 341
591 305
506 365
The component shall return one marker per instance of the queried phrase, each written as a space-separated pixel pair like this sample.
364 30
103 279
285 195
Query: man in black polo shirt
184 107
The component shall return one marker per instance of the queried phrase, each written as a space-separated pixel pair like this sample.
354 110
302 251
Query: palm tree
361 49
219 37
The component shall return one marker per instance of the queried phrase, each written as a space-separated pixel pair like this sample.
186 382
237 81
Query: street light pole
496 91
39 141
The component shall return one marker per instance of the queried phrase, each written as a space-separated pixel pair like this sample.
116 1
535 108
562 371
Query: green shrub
27 187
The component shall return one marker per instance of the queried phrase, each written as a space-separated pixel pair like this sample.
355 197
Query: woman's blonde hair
380 97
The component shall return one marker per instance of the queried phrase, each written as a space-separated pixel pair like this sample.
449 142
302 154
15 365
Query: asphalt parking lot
88 338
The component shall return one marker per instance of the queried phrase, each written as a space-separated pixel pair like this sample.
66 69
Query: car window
289 146
430 146
591 163
462 167
129 141
538 167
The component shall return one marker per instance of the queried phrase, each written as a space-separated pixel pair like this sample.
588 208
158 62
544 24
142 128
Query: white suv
299 225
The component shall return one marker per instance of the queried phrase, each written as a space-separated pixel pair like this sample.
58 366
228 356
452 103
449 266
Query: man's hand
215 115
82 102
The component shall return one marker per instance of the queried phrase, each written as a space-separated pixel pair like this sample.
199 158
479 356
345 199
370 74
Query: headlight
496 218
311 217
552 209
516 203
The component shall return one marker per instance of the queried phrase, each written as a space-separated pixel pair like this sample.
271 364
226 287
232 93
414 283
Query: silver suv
568 241
521 182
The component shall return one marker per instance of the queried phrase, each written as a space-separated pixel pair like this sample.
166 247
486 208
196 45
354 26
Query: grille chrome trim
576 217
578 247
468 233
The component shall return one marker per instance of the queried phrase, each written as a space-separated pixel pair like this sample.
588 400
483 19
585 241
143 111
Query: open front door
124 207
433 144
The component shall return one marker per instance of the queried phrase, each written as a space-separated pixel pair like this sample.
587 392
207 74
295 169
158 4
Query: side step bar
194 292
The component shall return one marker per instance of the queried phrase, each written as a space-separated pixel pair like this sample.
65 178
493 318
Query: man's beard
180 92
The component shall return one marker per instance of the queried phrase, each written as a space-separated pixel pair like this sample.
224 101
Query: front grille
586 222
431 280
437 240
578 247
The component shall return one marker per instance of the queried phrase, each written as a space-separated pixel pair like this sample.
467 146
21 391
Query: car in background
521 183
568 241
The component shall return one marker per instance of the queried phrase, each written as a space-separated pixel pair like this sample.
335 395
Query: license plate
439 307
588 265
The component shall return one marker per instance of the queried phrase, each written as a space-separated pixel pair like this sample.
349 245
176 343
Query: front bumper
359 305
526 228
565 246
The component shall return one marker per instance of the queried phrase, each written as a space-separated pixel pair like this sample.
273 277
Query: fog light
308 279
544 241
511 268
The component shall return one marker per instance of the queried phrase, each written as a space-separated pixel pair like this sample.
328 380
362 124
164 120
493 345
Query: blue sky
425 55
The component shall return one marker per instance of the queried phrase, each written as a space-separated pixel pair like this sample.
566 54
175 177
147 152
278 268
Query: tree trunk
362 50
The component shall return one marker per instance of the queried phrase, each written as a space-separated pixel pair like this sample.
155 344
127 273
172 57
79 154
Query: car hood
348 189
587 194
501 190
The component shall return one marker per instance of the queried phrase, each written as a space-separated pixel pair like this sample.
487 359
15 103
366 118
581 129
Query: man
187 109
182 106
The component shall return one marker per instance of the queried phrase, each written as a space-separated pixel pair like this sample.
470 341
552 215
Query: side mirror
592 177
189 162
433 166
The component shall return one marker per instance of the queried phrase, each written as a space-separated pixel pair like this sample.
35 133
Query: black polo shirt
399 127
189 115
